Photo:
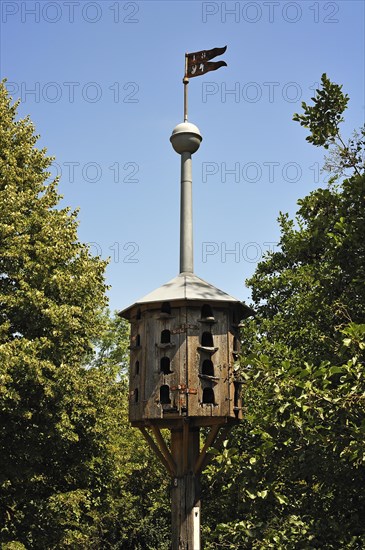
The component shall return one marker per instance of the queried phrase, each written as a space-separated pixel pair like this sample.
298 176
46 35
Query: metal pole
186 215
186 82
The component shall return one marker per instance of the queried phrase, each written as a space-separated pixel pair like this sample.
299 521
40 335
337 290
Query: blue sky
102 82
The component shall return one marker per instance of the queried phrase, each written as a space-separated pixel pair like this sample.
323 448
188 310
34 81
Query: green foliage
291 474
51 286
72 471
324 117
74 474
343 157
112 344
323 120
314 283
292 478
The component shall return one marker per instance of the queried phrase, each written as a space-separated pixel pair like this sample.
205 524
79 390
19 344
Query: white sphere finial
186 138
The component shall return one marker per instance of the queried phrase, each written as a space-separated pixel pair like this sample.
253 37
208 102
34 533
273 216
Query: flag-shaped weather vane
197 64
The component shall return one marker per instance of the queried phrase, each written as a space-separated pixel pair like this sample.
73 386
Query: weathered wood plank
163 448
208 442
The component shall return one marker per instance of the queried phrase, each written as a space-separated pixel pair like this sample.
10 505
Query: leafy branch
323 120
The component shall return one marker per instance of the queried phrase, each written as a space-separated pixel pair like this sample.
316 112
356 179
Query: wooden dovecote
184 346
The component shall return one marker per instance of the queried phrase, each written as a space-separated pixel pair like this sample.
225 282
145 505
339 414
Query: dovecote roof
190 287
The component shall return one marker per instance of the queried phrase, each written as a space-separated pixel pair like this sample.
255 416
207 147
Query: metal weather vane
197 64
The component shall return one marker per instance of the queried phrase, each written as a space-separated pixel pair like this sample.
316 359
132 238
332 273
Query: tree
138 517
291 473
71 468
112 344
73 473
314 284
51 293
323 120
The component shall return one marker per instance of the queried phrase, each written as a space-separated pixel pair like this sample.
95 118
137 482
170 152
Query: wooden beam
157 451
164 449
208 442
205 458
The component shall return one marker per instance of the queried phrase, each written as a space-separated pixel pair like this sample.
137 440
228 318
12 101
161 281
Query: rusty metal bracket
182 388
184 328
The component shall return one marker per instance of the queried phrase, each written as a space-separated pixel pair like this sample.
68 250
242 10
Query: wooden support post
209 441
185 463
185 490
208 457
164 449
185 445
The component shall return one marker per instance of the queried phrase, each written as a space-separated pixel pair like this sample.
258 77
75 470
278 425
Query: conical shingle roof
187 286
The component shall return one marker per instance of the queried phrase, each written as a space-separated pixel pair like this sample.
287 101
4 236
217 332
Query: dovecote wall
182 362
